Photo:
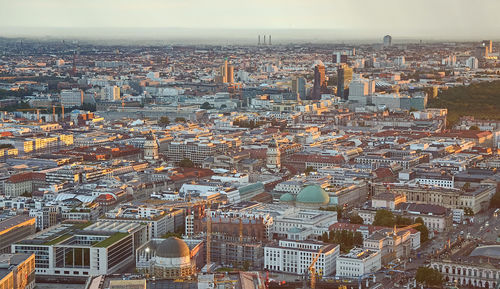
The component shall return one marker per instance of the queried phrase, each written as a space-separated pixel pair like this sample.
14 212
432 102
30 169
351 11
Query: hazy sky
410 18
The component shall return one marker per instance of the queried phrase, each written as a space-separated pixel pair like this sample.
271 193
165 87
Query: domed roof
313 194
287 198
172 247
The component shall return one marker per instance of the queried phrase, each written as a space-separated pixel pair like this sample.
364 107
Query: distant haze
242 20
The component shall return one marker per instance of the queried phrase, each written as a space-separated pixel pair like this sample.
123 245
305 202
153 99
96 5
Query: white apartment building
295 257
110 93
358 262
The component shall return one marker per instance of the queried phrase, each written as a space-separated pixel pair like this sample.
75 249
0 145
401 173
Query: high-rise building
472 63
400 61
226 72
481 51
319 80
488 44
110 93
358 91
387 40
344 77
299 87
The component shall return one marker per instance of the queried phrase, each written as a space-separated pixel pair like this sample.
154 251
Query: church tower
151 147
273 156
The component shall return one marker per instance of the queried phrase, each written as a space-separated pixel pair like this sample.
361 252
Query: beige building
476 199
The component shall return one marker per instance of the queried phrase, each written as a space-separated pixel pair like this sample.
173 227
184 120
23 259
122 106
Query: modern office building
488 44
110 93
295 257
387 40
299 87
15 229
358 262
344 77
319 85
472 63
101 248
17 271
71 97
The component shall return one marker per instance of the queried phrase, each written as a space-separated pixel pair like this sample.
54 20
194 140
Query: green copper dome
313 195
287 198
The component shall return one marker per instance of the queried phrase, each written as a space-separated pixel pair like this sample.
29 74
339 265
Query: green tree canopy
186 163
474 127
424 232
164 120
206 105
180 119
356 219
384 218
429 276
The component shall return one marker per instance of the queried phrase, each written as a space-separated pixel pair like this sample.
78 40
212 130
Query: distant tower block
258 42
264 39
270 40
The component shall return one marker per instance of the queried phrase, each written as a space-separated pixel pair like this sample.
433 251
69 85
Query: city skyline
288 20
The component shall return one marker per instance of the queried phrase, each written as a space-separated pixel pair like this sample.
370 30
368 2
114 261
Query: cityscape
280 157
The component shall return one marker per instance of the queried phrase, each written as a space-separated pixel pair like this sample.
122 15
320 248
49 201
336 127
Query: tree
358 239
356 219
495 200
164 120
186 163
309 170
473 127
402 221
429 276
180 119
424 232
384 218
337 209
466 186
206 105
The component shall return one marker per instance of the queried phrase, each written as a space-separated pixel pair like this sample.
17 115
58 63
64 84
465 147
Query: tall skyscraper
258 42
472 63
387 40
488 44
270 40
481 51
319 80
299 87
226 72
344 77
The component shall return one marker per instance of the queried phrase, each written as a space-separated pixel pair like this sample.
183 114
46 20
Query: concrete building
358 262
100 248
17 271
110 93
294 257
15 229
71 97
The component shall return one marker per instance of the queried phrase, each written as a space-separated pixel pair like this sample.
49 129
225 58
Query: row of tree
386 218
346 239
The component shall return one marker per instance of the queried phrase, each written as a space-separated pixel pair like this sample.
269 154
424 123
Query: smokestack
270 40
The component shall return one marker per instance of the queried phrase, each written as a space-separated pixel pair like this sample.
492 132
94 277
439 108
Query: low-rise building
294 257
358 262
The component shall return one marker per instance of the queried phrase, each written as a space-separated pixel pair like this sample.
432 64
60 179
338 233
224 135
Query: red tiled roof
23 177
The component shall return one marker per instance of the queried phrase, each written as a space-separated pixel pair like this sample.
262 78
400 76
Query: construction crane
312 270
209 235
54 112
32 109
